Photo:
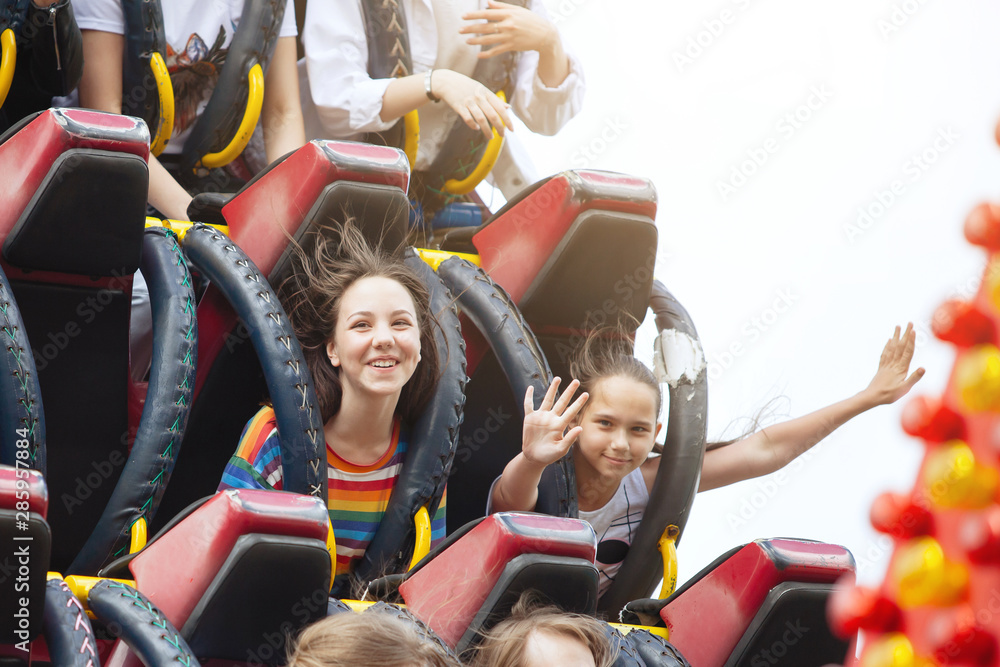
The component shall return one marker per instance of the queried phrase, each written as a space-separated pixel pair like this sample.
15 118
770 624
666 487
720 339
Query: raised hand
503 27
545 436
891 382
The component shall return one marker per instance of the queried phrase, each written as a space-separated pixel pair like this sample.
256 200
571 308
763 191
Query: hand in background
503 27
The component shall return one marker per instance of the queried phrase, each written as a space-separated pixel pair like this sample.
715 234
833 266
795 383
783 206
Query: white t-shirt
616 524
195 54
340 100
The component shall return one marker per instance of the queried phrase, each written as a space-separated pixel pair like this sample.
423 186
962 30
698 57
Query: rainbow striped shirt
358 495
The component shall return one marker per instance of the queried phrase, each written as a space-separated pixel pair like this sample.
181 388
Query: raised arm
349 102
545 440
772 448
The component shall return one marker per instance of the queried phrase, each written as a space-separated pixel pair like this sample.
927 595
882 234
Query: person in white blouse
447 38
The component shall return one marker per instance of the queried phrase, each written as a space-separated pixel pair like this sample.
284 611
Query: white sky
881 96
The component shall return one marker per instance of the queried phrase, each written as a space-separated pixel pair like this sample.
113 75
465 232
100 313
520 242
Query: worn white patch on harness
676 357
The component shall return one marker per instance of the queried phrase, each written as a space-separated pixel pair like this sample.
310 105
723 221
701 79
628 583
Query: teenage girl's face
619 427
376 342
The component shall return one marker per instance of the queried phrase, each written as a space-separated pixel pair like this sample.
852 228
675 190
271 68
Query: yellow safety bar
422 545
255 102
625 628
137 538
8 59
165 90
468 184
331 546
80 587
181 227
411 136
668 549
435 257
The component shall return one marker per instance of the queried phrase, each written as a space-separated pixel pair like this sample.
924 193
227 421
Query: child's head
619 420
362 317
537 636
357 640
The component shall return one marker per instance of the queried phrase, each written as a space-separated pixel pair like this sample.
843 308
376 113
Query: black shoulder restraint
388 55
143 37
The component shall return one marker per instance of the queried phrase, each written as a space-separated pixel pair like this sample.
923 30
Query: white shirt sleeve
288 28
102 15
348 102
545 110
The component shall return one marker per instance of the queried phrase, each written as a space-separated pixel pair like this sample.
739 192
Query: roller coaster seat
572 252
243 569
313 188
755 604
25 542
587 229
74 188
476 580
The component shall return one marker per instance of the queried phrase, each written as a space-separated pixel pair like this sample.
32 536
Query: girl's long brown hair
312 295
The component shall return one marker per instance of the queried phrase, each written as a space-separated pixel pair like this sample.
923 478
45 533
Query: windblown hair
312 296
368 639
607 353
504 645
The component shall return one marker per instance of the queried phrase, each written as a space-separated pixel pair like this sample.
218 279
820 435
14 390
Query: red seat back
176 569
708 618
450 590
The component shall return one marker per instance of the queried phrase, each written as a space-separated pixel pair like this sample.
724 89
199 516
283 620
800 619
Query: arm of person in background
281 114
101 89
349 102
544 441
772 448
550 83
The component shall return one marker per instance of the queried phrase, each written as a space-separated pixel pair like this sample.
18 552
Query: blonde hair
504 645
373 638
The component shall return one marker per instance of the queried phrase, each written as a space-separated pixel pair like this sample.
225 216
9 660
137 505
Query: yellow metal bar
165 126
358 606
435 257
668 550
53 575
8 59
181 227
255 102
624 628
422 545
80 587
468 184
331 546
411 136
137 538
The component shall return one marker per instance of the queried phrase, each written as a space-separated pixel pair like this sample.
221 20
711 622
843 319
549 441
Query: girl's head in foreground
619 421
542 637
364 322
371 638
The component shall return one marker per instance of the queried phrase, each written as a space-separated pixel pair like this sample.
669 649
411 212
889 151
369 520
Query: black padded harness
144 36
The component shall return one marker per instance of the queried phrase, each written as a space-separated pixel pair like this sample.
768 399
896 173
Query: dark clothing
49 56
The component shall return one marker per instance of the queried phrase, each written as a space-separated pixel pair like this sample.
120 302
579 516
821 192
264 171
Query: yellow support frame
255 102
8 60
165 90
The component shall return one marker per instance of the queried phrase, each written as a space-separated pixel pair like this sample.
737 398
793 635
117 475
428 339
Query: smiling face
619 428
376 341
